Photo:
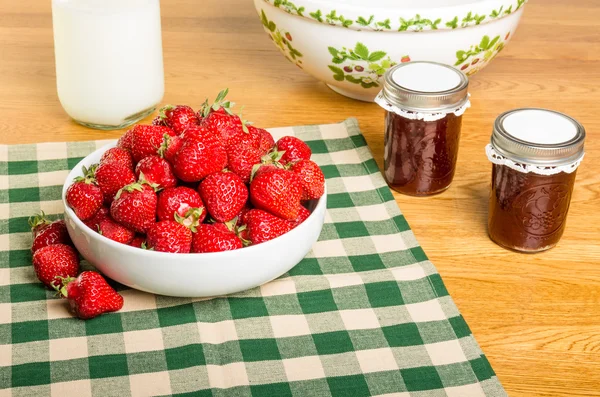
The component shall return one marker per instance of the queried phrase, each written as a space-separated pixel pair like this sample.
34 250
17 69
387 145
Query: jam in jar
535 155
424 102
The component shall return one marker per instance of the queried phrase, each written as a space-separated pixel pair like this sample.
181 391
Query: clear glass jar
109 65
424 103
535 155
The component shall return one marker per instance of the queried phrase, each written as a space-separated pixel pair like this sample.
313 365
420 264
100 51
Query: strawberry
53 261
261 138
215 238
199 156
90 295
126 140
169 236
219 119
178 118
48 233
169 147
228 128
242 158
95 220
156 171
277 191
119 156
159 121
303 214
147 140
115 231
38 222
311 177
139 241
241 216
84 196
178 203
263 226
112 177
135 207
294 148
224 194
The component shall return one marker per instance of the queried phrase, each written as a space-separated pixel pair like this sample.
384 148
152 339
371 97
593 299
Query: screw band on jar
538 137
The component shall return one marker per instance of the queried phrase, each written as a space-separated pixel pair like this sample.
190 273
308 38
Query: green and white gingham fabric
364 314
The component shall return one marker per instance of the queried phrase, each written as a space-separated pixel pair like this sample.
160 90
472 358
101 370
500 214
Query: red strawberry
115 231
179 117
55 260
135 207
277 191
242 158
263 226
48 233
38 222
90 295
303 214
228 128
84 196
214 238
156 171
261 138
169 236
126 140
95 220
112 177
241 216
139 241
311 177
170 146
405 59
294 148
118 156
159 121
198 157
219 119
181 202
224 195
147 140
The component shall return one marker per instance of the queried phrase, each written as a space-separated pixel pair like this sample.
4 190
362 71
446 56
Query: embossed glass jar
535 155
424 103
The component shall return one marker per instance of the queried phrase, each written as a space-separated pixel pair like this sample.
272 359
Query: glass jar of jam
424 103
535 155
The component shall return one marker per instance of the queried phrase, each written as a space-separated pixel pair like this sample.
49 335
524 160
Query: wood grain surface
537 317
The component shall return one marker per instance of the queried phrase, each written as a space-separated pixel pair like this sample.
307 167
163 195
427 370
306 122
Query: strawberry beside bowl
192 275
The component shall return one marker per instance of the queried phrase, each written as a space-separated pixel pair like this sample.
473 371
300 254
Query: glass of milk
109 65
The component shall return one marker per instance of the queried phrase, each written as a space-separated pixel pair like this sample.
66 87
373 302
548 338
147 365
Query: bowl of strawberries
197 204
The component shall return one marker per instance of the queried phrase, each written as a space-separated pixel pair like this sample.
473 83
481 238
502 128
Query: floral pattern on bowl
416 23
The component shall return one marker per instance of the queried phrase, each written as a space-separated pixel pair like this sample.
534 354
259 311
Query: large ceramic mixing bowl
349 44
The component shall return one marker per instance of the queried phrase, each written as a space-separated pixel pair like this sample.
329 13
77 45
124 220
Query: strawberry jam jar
535 155
424 103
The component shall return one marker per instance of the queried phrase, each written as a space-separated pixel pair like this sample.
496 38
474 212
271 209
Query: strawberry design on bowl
198 204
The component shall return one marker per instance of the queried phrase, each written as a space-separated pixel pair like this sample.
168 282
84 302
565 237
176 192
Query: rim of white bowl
416 17
321 202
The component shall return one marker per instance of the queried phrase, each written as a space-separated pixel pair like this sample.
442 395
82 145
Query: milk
109 66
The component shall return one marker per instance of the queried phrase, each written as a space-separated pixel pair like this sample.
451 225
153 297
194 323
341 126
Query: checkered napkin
365 313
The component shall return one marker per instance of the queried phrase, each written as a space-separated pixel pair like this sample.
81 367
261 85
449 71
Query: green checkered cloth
364 314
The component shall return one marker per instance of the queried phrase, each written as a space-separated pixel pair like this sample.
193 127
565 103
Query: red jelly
424 103
535 156
420 156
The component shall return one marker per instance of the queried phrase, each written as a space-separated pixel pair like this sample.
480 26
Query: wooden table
537 317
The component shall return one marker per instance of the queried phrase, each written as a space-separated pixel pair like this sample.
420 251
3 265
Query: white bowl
192 275
349 44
